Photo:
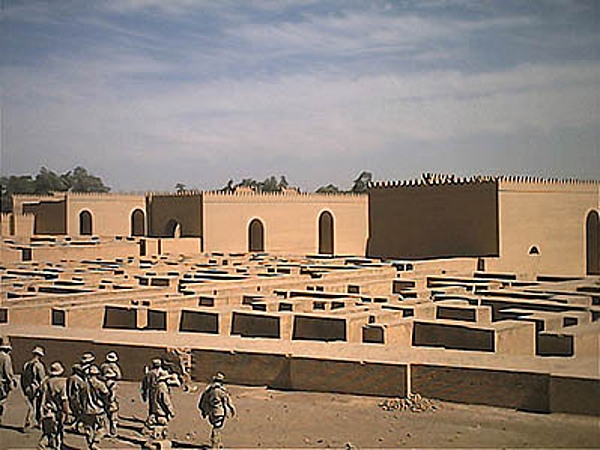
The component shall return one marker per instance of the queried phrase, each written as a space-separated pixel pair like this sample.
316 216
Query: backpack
27 377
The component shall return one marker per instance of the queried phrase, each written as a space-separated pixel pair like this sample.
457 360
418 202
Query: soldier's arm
167 403
39 374
64 400
10 374
144 388
228 404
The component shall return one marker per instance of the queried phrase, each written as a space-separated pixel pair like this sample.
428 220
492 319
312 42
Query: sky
150 93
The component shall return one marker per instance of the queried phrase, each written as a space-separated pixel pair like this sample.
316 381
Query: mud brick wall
452 336
521 390
575 395
131 358
347 377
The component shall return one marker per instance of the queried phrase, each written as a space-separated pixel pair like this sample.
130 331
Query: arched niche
256 236
326 237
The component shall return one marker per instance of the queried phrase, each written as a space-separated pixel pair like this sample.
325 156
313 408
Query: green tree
79 180
47 181
179 188
361 184
248 182
229 187
21 184
269 185
329 189
283 183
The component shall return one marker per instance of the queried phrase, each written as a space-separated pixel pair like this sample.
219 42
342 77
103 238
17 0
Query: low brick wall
131 358
521 390
575 395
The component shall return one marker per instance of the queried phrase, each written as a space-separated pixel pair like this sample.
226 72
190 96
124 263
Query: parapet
434 179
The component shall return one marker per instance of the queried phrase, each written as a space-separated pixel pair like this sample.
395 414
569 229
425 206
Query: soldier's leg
29 418
112 423
88 429
60 433
2 402
44 438
215 435
213 438
52 430
38 408
98 430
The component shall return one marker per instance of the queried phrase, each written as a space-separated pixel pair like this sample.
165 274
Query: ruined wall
50 216
166 209
19 200
291 221
420 220
548 215
111 213
5 224
18 225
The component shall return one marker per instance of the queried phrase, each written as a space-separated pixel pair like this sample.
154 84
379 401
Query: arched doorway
592 243
256 236
326 233
85 223
173 229
138 226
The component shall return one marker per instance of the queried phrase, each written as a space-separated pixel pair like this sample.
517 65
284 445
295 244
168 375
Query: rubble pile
412 402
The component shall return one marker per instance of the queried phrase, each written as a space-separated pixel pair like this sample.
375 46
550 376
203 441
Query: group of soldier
86 401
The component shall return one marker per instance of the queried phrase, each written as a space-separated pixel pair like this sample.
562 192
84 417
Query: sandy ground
270 419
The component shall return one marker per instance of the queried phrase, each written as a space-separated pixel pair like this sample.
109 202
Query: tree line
80 180
47 181
271 184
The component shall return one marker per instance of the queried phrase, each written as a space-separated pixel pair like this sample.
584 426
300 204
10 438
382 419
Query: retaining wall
529 391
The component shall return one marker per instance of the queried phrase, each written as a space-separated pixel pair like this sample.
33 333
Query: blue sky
148 93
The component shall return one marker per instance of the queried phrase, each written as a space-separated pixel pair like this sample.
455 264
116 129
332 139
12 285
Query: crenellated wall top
281 197
431 179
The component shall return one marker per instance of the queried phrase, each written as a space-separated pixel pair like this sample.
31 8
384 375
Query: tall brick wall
291 222
550 216
423 220
168 209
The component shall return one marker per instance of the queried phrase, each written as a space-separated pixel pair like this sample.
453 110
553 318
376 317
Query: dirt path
271 419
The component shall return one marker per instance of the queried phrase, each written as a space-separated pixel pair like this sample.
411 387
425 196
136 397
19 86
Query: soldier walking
161 405
180 361
112 363
77 391
149 384
112 404
96 399
87 362
215 403
32 377
8 381
55 407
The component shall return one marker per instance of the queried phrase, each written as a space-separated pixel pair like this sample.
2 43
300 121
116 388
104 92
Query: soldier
112 363
32 376
8 381
149 383
180 362
161 405
55 407
96 399
87 361
112 405
77 391
215 403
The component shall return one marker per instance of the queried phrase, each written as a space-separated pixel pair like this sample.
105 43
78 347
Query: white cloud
312 112
220 103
